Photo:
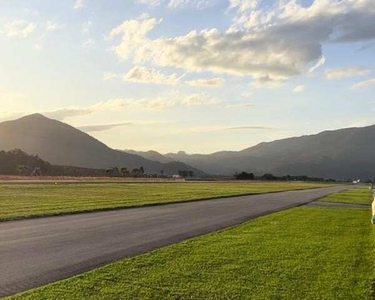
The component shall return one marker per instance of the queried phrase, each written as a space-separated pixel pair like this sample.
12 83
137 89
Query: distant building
177 176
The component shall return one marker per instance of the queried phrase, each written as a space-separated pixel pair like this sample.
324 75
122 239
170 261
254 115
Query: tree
113 172
245 176
23 170
191 173
36 172
136 172
183 173
124 171
142 170
268 176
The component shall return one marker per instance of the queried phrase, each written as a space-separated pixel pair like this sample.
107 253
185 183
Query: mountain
340 154
151 155
17 162
62 144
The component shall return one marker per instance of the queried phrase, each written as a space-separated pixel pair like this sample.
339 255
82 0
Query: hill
151 155
17 162
340 154
61 144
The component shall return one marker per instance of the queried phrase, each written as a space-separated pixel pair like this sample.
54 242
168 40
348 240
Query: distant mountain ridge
339 154
151 155
62 144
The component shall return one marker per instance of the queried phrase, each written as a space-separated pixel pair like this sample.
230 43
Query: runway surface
39 251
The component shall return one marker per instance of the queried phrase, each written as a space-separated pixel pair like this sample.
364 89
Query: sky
193 75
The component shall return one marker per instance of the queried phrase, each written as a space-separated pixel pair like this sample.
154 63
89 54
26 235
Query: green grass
302 253
33 200
359 195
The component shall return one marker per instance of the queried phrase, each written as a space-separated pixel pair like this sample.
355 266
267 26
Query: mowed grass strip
359 195
302 253
35 200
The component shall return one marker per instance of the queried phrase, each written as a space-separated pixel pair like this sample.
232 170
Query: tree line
271 177
17 162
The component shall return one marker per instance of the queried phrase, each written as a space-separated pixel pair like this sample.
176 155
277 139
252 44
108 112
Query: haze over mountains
62 144
339 154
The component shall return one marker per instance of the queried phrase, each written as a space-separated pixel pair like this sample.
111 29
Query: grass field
32 200
302 253
359 195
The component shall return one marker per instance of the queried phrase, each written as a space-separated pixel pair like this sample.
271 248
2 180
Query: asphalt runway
39 251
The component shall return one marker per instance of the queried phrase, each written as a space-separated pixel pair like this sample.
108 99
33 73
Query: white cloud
79 4
364 84
88 42
18 28
104 127
149 2
346 72
140 74
198 4
299 89
276 42
211 82
87 27
318 64
267 82
158 103
198 100
239 105
49 27
68 112
52 25
109 76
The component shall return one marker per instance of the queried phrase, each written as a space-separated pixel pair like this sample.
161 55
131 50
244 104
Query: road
39 251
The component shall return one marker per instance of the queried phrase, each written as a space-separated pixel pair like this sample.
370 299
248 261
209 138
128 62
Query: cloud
198 4
243 5
346 72
318 64
87 27
109 76
198 100
239 105
18 28
52 25
104 127
276 41
364 84
49 27
88 42
230 128
58 114
299 89
140 74
267 82
211 82
158 103
79 4
68 112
